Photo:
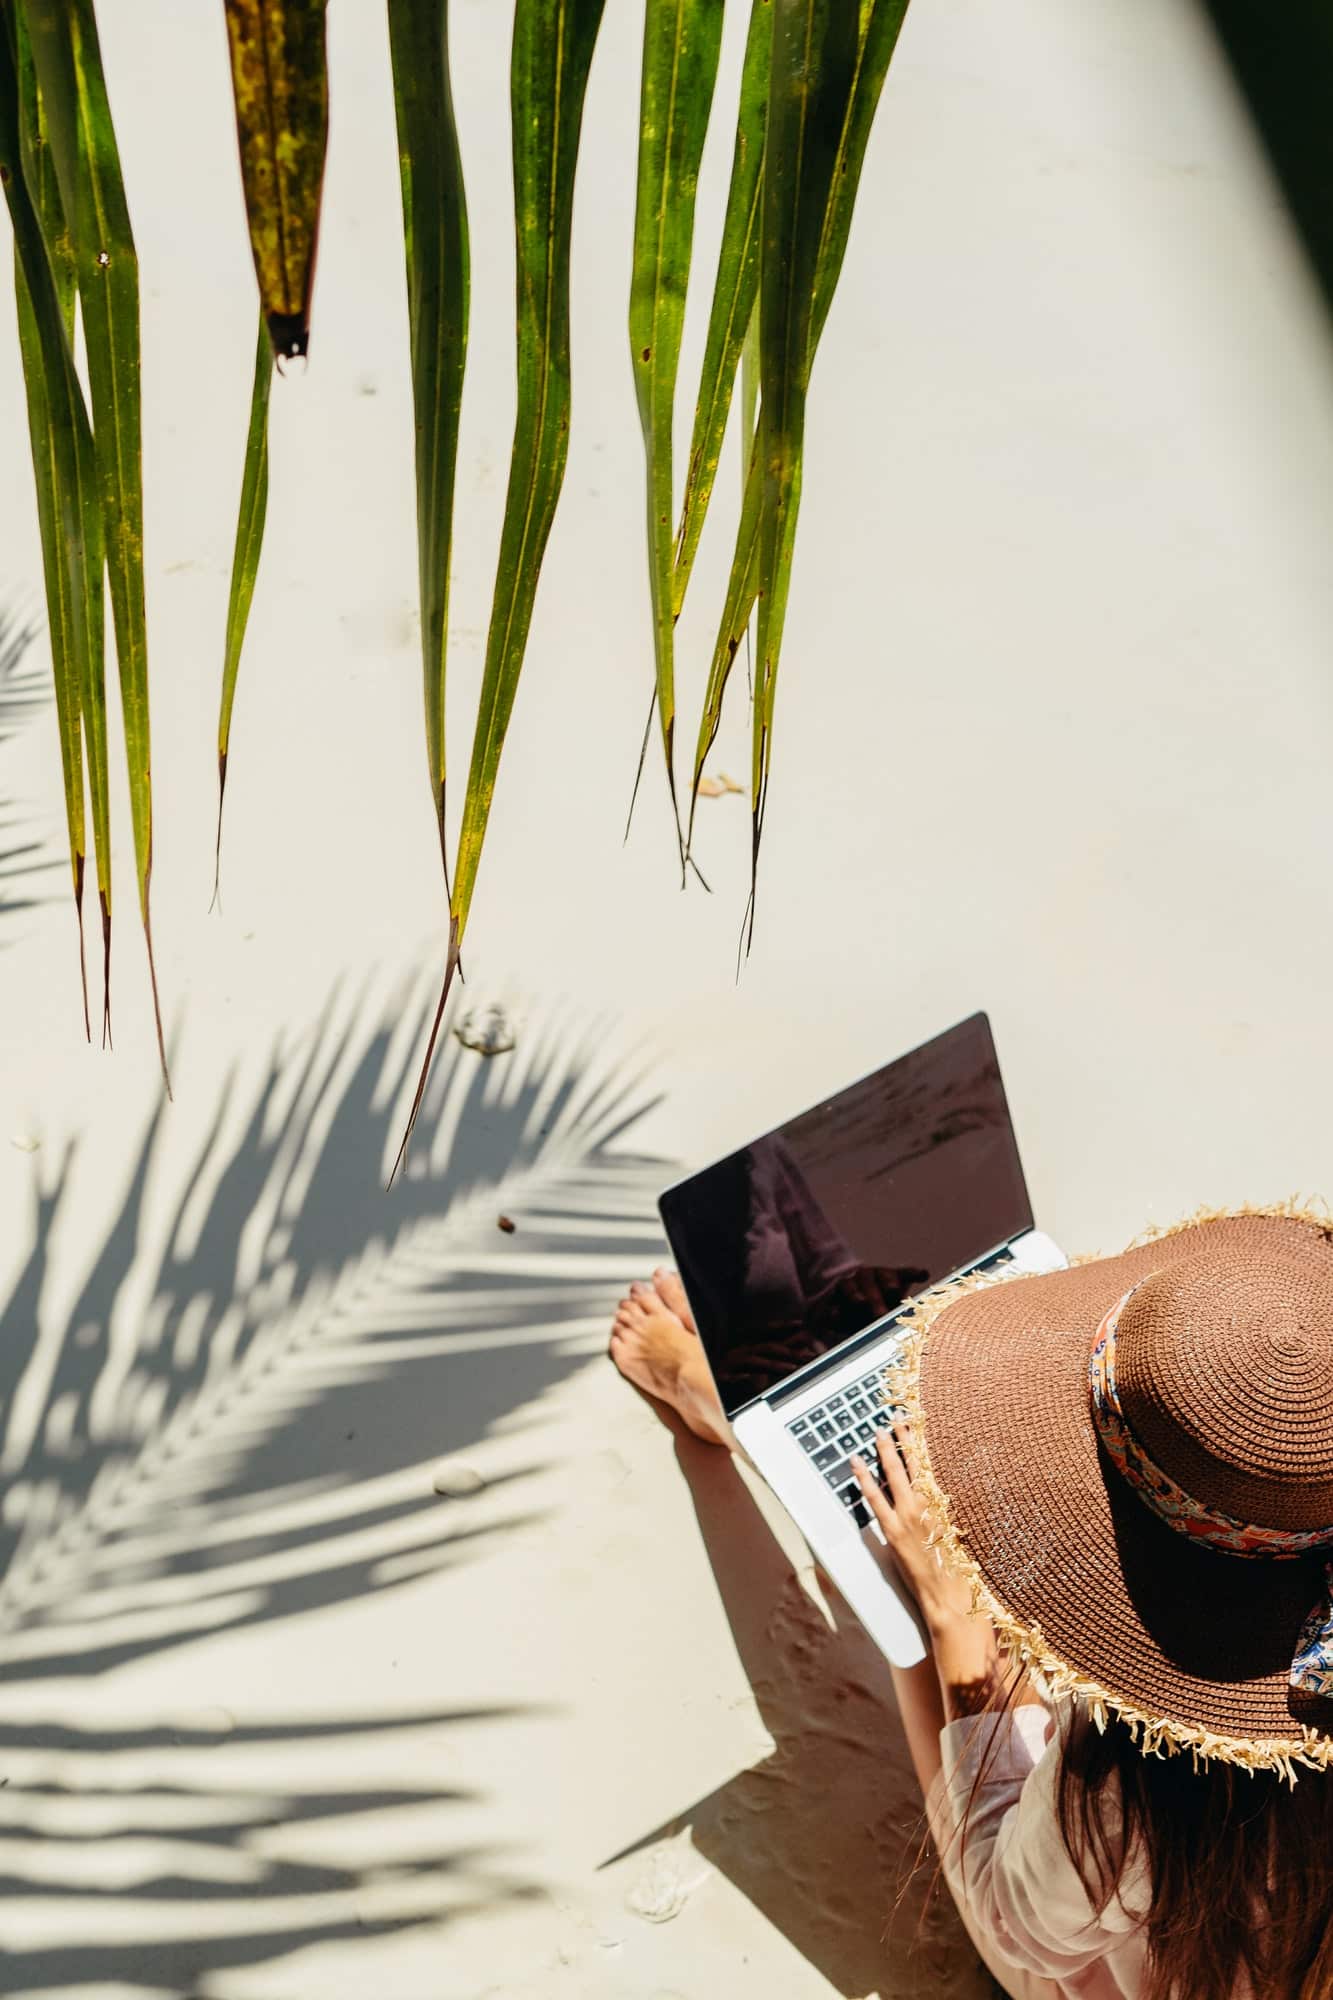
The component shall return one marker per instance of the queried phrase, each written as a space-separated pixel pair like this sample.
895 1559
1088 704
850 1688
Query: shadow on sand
238 1420
826 1836
23 695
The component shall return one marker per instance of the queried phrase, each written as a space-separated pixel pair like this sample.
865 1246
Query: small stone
507 1223
24 1142
456 1482
488 1030
671 1876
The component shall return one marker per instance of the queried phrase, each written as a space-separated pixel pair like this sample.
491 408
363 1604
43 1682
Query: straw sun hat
1132 1460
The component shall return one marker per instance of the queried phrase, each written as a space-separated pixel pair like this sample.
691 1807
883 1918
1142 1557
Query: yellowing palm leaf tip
810 77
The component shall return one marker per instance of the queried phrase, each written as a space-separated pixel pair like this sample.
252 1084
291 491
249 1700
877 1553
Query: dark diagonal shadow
1282 59
240 1420
824 1836
232 1873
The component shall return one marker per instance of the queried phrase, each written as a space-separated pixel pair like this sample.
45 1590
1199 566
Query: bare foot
655 1350
669 1289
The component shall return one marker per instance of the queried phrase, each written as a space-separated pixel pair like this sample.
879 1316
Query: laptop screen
798 1242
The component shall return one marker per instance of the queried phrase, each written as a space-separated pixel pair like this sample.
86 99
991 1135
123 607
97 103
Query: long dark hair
1236 1865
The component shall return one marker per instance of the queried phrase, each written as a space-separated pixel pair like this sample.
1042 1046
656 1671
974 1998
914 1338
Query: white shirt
1019 1894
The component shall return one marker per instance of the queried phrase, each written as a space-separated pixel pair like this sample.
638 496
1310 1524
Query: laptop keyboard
846 1423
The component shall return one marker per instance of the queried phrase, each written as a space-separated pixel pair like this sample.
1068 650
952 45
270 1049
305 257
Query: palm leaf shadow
310 1348
825 1835
23 686
23 695
226 1876
236 1422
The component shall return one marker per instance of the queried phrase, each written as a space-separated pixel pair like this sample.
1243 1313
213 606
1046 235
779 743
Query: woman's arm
962 1674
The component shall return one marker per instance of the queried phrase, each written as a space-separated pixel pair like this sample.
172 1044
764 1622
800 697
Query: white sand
276 1718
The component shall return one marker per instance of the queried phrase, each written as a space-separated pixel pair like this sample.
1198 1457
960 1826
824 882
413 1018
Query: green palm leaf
552 53
735 291
68 64
39 175
436 234
742 589
749 388
280 83
245 558
879 26
810 81
64 465
681 44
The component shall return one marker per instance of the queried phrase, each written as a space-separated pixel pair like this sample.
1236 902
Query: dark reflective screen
812 1233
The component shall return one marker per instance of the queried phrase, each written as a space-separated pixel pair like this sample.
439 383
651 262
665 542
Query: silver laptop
798 1252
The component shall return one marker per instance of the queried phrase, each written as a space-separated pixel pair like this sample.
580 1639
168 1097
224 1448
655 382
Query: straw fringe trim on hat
1155 1736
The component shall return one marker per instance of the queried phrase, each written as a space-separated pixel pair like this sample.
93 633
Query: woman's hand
966 1654
901 1513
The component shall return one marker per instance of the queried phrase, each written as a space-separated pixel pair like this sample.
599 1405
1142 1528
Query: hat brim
1192 1647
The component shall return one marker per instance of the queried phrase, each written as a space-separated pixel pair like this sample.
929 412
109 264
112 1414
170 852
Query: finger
895 1472
874 1497
902 1430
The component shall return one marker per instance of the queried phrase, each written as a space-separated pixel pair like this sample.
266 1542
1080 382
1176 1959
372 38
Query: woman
1127 1469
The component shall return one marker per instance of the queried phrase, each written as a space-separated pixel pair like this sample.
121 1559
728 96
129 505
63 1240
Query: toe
672 1294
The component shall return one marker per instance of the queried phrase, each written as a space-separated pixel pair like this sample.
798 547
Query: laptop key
826 1432
860 1409
809 1442
827 1458
798 1427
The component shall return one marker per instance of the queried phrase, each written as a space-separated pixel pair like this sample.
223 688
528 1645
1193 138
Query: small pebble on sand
455 1482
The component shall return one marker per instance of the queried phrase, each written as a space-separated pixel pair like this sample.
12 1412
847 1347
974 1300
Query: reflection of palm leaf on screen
240 1423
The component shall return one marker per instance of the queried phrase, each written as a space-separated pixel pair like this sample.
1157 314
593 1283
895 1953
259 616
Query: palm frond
279 77
548 79
68 64
742 590
809 86
811 77
757 576
245 559
65 473
681 44
735 295
435 231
